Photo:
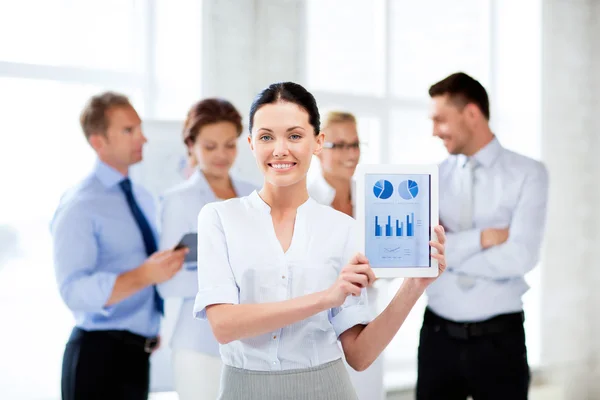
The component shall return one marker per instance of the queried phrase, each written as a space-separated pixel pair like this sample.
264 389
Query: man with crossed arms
493 206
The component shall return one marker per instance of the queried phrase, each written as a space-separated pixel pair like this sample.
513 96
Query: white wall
570 126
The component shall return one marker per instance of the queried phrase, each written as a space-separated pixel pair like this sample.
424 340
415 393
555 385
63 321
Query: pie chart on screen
408 189
383 189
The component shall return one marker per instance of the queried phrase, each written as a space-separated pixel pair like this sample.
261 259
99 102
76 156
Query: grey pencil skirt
325 382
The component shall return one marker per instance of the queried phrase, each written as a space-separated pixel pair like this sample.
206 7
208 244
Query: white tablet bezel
432 170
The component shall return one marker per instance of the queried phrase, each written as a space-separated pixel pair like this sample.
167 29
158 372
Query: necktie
466 191
466 211
144 226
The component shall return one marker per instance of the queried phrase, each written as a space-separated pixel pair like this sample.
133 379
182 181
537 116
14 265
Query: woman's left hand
440 256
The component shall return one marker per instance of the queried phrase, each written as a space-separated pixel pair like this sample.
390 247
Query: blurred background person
493 206
211 131
106 262
334 187
339 158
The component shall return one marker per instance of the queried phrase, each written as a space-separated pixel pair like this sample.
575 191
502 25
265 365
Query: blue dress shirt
95 239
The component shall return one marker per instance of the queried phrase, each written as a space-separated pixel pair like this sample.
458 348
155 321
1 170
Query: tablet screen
398 220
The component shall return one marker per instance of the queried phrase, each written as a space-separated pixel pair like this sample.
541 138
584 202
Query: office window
98 34
55 55
42 152
369 134
433 38
345 52
177 57
411 140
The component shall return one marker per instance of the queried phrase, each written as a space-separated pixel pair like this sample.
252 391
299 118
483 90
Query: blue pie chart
408 189
383 189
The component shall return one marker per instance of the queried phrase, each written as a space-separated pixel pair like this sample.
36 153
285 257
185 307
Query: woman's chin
285 180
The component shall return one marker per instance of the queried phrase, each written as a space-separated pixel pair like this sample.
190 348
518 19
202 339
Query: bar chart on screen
398 227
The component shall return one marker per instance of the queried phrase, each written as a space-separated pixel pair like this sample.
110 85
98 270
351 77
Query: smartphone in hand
190 241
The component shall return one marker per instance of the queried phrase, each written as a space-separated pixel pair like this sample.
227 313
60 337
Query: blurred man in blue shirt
107 266
493 206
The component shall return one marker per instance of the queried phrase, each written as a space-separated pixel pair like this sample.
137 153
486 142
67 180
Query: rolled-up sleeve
216 283
75 253
355 310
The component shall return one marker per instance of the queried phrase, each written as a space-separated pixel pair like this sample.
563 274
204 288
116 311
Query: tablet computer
189 240
396 210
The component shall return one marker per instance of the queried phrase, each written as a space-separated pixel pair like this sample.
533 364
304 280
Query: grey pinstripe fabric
329 381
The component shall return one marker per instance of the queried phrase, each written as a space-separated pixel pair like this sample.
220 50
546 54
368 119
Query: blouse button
275 337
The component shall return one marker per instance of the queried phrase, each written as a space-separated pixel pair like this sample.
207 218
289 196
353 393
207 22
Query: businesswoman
211 131
279 277
333 186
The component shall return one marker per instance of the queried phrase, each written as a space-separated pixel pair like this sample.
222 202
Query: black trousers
486 360
100 366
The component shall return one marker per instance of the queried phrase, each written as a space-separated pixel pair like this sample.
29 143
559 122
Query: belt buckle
150 345
459 331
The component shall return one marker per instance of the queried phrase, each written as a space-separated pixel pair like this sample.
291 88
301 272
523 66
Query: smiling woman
280 280
285 133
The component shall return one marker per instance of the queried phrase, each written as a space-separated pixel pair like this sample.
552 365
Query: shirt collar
485 156
198 178
489 153
107 175
261 205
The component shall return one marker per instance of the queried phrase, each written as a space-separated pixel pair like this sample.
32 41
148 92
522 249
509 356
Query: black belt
466 330
126 337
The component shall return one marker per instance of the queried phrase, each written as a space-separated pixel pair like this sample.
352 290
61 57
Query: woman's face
283 143
340 159
215 148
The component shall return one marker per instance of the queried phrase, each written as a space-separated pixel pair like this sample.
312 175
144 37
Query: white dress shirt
179 215
240 261
509 190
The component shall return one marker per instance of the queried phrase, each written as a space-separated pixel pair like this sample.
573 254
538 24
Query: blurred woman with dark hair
211 132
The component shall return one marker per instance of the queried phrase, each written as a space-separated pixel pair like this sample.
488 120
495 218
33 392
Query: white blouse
240 261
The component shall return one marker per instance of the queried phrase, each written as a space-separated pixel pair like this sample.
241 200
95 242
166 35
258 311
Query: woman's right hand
353 277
